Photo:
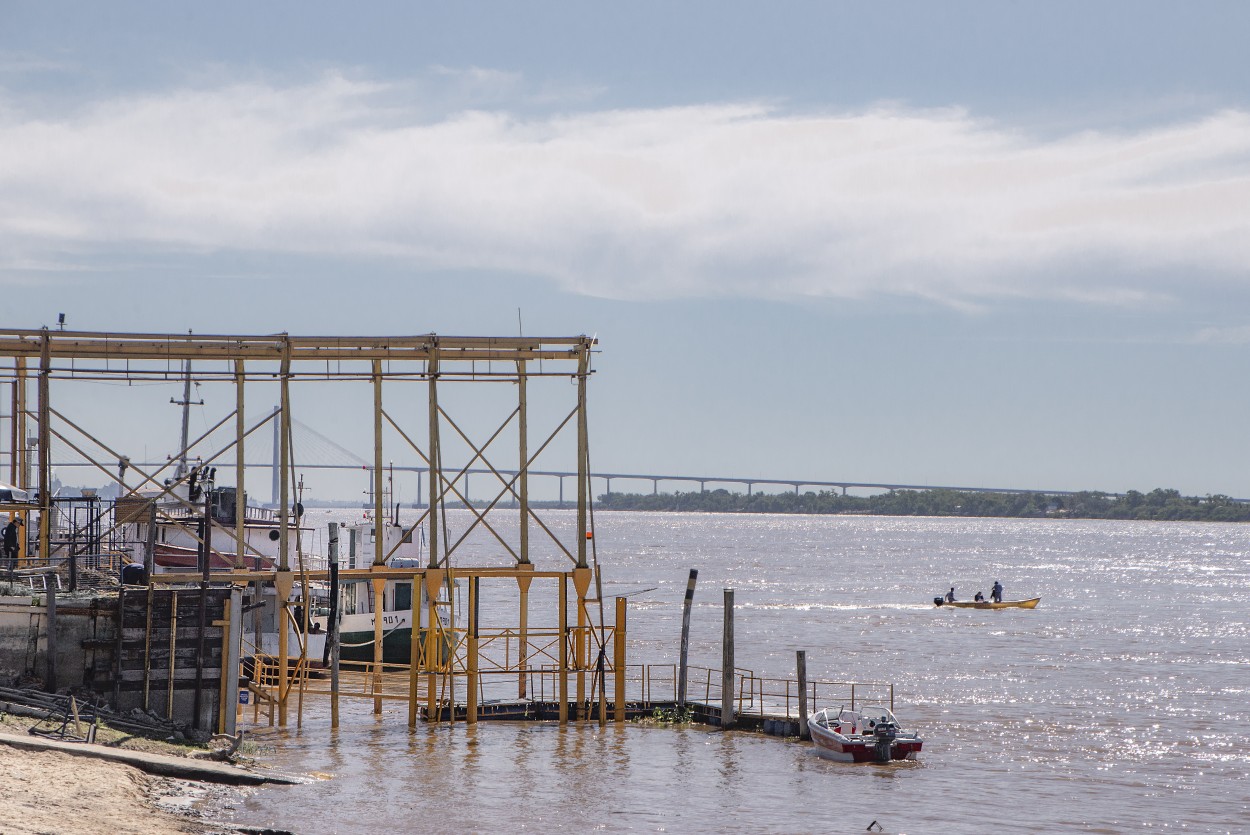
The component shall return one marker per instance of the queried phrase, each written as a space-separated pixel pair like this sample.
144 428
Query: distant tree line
1158 504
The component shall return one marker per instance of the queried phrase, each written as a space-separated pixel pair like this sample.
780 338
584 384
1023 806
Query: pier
190 634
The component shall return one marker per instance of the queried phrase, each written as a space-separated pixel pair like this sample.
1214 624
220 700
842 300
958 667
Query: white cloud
733 199
1235 335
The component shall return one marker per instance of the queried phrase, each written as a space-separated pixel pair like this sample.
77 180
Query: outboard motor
938 601
884 736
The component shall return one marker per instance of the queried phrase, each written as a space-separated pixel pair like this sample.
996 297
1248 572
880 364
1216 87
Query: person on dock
950 595
10 544
997 593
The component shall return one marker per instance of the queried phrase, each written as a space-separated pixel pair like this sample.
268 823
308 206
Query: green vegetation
1158 504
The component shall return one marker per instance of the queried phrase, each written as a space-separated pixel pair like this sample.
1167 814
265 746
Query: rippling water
1121 704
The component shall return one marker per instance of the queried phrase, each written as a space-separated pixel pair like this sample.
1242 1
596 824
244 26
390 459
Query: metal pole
727 664
682 669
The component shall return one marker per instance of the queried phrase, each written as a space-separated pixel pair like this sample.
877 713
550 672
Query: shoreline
69 788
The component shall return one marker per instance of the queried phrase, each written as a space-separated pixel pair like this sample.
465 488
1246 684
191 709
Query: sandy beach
63 792
50 792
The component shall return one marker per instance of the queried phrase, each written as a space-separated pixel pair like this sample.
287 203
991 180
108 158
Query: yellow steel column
581 583
414 648
283 581
21 476
17 443
240 430
563 664
433 654
379 546
471 694
618 660
583 458
523 582
45 451
581 575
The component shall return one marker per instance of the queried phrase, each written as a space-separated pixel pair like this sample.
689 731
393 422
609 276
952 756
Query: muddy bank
50 787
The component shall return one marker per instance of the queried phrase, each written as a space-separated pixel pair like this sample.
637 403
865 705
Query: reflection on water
1120 704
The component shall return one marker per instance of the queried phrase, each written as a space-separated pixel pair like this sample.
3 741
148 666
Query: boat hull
839 737
1031 603
854 749
356 637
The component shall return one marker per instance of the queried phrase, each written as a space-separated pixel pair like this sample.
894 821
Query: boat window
403 596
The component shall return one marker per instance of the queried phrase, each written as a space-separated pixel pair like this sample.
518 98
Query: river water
1121 704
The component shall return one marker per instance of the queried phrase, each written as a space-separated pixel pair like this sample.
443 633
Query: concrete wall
81 625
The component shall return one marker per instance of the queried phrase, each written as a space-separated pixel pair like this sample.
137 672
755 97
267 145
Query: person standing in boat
950 595
997 593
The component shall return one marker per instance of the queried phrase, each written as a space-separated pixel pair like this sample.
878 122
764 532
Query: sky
965 243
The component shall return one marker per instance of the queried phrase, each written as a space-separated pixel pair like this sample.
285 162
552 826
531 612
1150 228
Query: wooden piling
727 664
685 637
332 625
801 664
49 683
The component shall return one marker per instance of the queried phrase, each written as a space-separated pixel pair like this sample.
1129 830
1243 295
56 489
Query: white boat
862 735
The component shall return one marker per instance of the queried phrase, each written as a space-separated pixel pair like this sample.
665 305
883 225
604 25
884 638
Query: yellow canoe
1031 603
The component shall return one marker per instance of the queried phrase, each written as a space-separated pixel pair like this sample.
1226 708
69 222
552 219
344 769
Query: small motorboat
868 734
1031 603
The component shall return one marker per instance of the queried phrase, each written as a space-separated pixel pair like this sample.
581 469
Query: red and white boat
868 734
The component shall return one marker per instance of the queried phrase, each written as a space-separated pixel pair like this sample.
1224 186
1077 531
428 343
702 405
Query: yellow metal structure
445 664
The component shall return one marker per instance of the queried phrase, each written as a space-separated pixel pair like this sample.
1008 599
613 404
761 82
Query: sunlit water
1121 704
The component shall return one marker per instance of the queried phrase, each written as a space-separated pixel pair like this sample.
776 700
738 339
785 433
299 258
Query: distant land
1158 504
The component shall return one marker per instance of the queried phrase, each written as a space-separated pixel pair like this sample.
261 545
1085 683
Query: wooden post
332 625
618 660
149 558
727 664
685 638
205 566
49 683
117 648
801 663
234 646
173 641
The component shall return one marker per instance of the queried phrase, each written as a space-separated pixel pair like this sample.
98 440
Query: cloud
1234 335
737 199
